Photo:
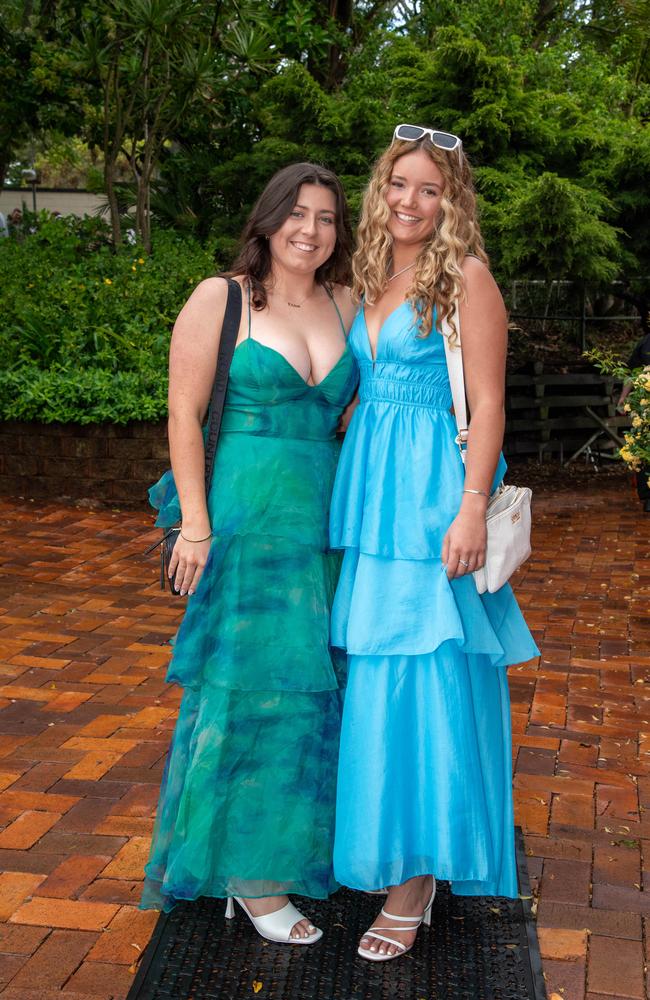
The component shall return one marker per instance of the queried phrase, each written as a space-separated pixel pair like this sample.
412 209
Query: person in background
15 222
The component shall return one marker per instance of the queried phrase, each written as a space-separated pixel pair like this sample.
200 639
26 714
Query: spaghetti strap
338 311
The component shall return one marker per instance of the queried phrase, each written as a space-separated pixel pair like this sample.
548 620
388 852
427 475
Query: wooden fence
563 414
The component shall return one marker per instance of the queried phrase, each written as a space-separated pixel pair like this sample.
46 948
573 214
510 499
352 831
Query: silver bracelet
480 493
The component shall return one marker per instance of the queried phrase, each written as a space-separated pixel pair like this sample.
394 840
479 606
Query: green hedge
84 331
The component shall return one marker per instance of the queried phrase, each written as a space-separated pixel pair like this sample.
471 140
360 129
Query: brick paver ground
85 719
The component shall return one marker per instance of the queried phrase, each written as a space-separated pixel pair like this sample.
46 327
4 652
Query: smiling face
413 196
307 237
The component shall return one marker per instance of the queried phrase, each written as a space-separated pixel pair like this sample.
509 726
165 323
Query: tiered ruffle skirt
248 794
425 763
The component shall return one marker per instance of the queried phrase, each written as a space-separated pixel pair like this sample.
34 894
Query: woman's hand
187 564
463 549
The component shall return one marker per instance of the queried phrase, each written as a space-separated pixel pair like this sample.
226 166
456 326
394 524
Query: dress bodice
277 442
267 396
400 478
408 368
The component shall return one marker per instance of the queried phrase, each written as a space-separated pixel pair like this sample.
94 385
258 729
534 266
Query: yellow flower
140 260
133 267
626 407
636 421
107 281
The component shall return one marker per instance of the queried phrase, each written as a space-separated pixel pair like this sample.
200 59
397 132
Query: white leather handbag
508 515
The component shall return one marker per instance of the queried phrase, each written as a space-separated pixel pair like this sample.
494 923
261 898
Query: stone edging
107 463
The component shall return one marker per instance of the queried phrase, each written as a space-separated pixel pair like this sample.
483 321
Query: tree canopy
205 101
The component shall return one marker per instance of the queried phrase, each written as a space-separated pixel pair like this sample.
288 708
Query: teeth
406 218
304 246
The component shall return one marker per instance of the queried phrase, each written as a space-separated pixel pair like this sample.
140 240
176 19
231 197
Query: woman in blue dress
424 786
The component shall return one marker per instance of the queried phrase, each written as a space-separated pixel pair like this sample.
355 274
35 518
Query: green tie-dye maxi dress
247 799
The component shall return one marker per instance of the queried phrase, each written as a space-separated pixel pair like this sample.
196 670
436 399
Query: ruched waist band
394 390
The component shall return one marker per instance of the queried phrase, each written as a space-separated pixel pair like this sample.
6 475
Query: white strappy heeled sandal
377 932
276 926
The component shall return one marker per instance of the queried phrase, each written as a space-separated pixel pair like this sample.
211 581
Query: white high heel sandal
276 926
376 932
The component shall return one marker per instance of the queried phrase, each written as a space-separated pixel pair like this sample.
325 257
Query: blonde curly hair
438 278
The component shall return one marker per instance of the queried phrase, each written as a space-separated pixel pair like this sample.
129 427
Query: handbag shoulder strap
227 341
454 357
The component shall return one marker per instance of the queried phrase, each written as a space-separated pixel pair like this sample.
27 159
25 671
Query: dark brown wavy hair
270 212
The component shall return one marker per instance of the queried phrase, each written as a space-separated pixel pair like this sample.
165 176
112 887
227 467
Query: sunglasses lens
444 140
409 132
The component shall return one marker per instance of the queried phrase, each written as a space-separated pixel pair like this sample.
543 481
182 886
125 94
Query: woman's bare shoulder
210 291
206 304
479 280
474 269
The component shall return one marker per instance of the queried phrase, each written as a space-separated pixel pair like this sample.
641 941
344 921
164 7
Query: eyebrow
323 211
399 177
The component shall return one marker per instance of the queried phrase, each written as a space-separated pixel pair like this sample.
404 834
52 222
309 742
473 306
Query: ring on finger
463 563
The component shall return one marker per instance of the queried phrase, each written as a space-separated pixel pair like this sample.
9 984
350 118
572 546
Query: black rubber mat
478 948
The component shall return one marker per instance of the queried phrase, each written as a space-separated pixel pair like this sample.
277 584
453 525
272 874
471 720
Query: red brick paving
85 719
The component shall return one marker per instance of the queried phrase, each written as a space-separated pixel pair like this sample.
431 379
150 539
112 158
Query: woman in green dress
246 808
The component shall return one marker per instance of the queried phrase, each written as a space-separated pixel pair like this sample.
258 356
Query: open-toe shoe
276 926
403 924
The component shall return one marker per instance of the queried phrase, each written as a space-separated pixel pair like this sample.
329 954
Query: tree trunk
113 206
111 150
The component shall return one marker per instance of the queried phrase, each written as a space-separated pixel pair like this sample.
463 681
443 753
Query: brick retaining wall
102 462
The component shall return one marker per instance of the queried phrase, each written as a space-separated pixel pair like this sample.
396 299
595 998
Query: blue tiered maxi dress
424 784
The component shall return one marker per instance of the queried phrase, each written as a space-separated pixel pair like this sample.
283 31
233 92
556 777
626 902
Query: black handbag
229 331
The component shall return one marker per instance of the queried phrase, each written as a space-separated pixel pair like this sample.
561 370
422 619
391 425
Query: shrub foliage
85 330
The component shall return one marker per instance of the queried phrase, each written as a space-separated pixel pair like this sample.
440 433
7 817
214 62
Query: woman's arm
346 416
625 392
192 365
483 324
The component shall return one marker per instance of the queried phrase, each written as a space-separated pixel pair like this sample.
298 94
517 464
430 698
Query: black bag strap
229 331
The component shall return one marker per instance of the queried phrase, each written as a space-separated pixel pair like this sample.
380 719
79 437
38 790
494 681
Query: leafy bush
84 331
636 450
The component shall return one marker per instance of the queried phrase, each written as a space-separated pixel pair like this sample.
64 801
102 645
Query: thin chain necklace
401 271
299 305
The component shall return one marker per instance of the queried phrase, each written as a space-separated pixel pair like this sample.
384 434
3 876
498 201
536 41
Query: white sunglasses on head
413 133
